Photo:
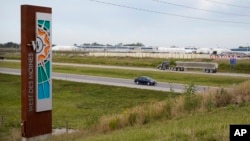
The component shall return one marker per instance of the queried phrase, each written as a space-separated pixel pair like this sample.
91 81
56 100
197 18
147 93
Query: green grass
242 65
115 61
78 104
13 65
161 76
83 105
88 102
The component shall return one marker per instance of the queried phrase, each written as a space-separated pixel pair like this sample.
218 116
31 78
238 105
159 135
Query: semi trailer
207 67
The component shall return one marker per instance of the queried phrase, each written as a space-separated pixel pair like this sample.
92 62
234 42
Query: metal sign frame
35 122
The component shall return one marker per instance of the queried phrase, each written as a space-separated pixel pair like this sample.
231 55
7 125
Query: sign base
38 138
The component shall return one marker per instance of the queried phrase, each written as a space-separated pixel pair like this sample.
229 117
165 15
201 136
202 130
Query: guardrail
150 55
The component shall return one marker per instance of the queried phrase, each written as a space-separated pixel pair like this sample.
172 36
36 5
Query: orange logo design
46 45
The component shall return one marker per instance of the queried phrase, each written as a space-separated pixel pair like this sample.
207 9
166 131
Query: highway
161 86
151 69
142 69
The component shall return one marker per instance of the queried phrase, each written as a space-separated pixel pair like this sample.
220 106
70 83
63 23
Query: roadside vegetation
188 103
160 76
115 113
242 65
79 105
98 112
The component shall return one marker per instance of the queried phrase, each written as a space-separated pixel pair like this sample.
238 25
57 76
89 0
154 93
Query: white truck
207 67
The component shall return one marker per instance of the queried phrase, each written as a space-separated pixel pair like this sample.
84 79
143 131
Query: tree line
15 45
9 45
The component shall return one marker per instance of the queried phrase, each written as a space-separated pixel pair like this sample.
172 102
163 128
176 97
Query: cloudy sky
184 23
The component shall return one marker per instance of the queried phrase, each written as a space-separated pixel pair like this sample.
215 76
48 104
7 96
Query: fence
150 55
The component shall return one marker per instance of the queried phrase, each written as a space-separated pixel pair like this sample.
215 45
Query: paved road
151 69
143 69
161 86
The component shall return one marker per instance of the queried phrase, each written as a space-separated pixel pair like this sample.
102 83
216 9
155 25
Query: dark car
145 80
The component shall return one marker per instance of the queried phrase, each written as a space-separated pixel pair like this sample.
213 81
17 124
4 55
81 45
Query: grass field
161 76
78 104
242 65
208 126
103 113
83 106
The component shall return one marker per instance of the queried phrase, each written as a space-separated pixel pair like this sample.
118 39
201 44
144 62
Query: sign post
232 62
36 80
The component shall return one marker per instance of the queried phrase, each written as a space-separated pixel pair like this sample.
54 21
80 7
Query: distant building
204 50
65 48
172 49
241 49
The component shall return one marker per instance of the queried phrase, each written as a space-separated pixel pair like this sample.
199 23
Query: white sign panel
43 62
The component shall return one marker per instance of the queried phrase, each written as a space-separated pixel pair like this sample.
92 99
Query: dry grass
176 107
241 93
138 115
15 134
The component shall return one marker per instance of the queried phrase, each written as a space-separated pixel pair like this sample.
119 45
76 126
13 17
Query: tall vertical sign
36 82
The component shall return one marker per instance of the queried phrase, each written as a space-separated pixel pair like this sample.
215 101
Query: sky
182 23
